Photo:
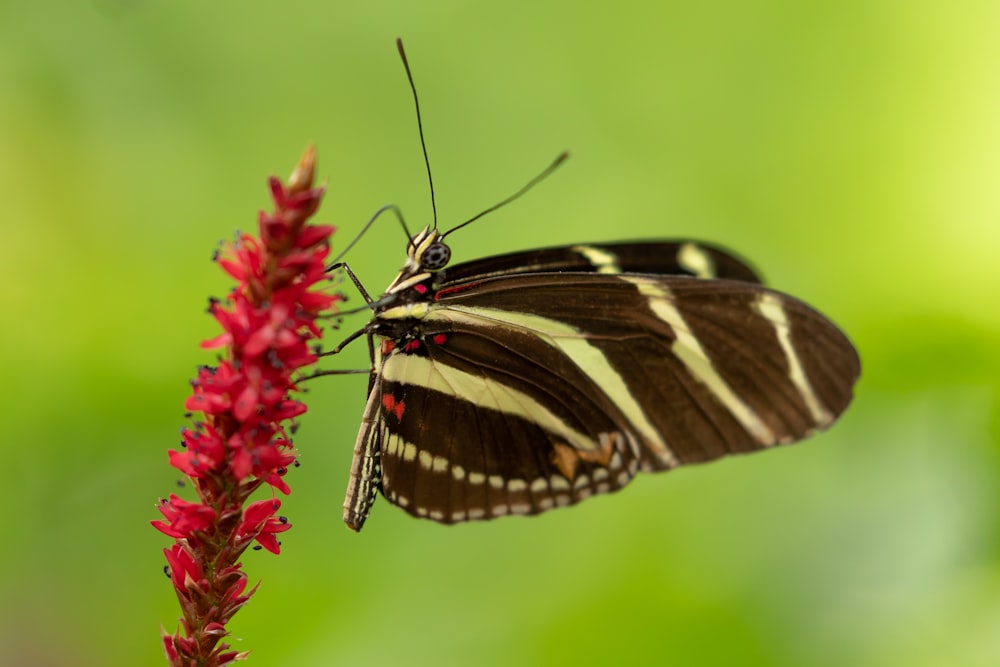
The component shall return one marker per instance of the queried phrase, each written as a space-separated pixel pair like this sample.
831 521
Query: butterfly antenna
420 126
532 183
387 207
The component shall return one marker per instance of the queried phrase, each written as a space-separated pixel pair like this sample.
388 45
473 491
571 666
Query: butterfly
523 382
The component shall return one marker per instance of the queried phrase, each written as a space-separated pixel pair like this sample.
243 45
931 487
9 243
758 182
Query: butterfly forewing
505 391
659 257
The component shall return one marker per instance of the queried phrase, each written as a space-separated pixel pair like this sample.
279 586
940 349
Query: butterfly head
427 251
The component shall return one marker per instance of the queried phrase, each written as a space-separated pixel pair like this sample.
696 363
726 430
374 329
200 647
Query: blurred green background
851 150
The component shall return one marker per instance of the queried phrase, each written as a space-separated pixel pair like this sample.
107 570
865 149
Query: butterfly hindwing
484 426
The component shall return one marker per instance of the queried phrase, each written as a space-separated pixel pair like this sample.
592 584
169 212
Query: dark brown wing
523 393
682 258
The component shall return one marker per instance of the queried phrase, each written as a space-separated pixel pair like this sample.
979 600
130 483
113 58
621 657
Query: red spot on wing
388 346
393 406
412 346
455 289
439 339
420 289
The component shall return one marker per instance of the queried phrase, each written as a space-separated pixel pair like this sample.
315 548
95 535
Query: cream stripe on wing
689 351
588 358
694 259
603 260
482 390
770 307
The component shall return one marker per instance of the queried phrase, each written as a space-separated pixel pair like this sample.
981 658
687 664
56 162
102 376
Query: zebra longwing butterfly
528 381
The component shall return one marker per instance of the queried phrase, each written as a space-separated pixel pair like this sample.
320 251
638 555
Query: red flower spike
240 442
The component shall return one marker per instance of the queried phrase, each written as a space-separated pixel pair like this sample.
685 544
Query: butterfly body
520 383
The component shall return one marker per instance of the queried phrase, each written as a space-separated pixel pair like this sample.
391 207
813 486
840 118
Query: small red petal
278 483
235 592
186 462
259 511
269 542
233 268
207 403
259 341
277 191
219 341
217 629
185 517
313 234
241 465
184 568
231 658
288 410
165 528
245 404
170 647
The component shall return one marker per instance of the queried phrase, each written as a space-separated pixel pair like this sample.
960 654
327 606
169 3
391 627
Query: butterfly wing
682 258
522 393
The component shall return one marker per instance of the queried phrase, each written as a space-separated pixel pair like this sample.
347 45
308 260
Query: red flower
240 443
259 523
183 518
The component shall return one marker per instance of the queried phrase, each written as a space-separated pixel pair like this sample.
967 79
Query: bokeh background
850 149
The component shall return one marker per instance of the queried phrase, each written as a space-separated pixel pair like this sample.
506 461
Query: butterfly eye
435 257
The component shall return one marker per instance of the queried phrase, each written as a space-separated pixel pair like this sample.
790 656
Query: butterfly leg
354 279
